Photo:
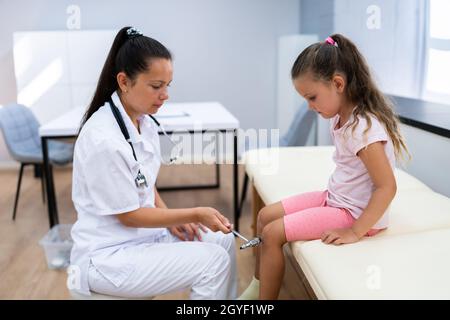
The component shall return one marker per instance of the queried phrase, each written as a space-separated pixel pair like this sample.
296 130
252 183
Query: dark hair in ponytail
131 54
325 59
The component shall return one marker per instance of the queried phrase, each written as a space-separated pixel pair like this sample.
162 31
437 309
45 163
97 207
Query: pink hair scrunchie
331 41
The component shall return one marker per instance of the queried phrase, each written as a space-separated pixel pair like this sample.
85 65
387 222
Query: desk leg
51 201
217 163
235 182
55 207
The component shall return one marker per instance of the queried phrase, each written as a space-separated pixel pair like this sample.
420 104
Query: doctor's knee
220 258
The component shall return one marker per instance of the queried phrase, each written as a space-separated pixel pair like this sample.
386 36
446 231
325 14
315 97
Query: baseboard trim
9 165
13 165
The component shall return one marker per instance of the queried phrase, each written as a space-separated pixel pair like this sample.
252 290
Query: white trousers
207 267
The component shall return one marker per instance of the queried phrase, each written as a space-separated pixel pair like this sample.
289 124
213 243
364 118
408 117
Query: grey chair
296 136
21 133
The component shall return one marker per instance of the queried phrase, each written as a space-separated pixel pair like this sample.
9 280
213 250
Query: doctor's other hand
213 219
188 231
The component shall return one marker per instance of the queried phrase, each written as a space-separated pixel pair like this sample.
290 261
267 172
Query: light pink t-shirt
350 185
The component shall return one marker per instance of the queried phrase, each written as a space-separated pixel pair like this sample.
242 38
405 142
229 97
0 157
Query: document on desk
174 119
167 113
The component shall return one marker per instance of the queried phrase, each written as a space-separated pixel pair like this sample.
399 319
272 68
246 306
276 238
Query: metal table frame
50 187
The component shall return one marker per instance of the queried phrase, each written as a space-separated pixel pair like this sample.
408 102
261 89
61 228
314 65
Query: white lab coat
110 258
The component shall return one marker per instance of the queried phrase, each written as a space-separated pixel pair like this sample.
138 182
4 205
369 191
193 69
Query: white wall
289 101
224 50
430 158
317 17
392 48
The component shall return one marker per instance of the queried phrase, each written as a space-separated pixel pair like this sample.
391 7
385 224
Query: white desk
208 115
193 117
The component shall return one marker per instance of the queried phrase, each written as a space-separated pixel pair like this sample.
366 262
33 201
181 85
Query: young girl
335 80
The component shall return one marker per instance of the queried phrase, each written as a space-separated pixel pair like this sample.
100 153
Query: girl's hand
339 236
188 231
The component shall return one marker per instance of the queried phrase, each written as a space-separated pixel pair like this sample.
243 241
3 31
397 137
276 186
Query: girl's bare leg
272 260
265 216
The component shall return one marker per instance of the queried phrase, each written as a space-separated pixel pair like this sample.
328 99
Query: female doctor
127 242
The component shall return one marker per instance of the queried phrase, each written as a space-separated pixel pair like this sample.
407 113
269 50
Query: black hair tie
133 33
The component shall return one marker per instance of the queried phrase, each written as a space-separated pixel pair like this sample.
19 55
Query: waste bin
57 244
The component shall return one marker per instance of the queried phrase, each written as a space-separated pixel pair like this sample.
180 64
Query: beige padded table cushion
408 266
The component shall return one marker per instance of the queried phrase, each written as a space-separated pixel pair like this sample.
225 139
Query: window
437 73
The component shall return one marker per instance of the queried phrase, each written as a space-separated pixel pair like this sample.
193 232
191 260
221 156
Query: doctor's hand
213 219
188 231
339 236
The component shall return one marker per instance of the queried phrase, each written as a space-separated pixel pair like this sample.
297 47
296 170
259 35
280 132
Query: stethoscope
140 180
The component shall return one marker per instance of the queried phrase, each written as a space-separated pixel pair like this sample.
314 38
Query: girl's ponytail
354 66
